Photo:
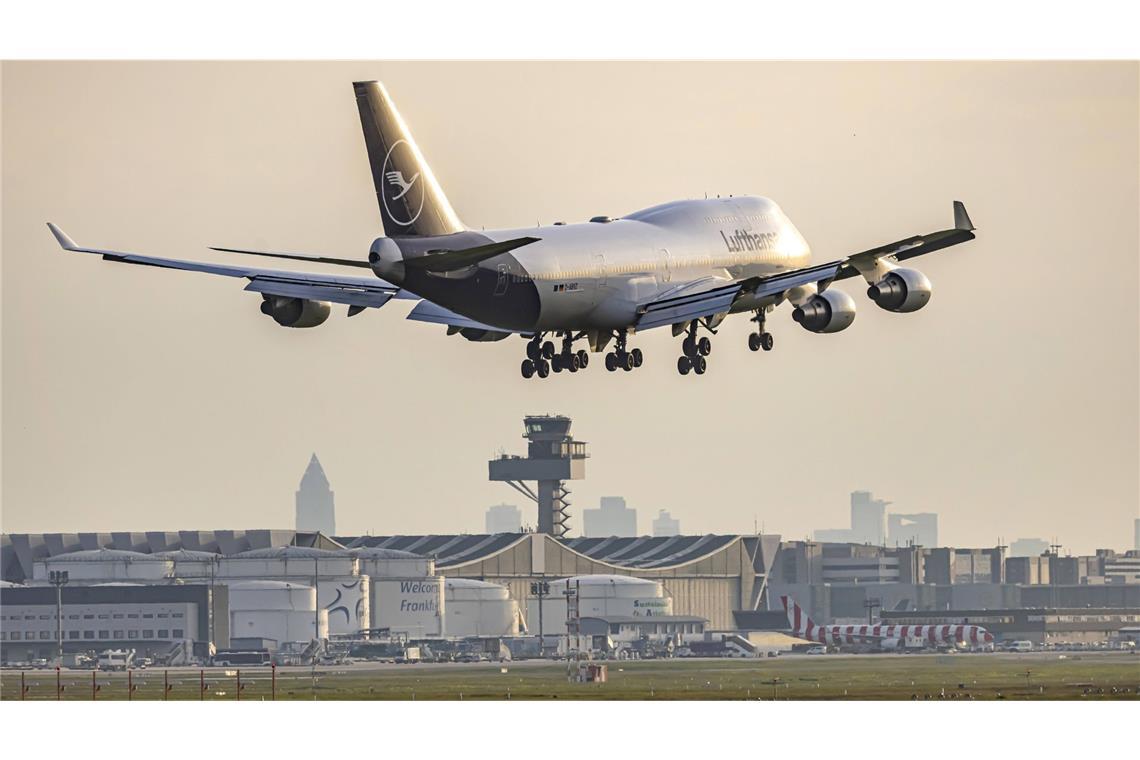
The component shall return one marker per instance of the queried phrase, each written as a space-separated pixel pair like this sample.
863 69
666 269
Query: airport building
175 621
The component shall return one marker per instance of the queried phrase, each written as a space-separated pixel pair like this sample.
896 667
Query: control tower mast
552 457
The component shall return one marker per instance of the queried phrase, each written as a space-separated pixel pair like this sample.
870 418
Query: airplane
886 637
686 265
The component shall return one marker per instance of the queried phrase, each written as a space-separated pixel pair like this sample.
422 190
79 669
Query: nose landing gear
761 339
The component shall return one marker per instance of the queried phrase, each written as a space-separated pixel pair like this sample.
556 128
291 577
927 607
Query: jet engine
902 290
826 312
296 312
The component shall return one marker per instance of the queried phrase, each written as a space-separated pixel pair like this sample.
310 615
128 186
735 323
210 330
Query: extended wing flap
687 306
352 295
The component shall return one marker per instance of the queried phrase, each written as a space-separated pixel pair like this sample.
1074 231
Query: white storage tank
478 608
103 565
277 610
406 594
346 600
598 596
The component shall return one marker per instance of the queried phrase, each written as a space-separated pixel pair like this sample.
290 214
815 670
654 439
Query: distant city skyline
314 501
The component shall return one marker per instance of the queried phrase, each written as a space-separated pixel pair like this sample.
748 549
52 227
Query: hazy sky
139 399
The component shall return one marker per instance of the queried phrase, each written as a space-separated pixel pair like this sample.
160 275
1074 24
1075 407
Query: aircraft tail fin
801 623
411 201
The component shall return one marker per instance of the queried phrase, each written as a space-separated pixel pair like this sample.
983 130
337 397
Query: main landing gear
694 351
761 339
620 358
542 358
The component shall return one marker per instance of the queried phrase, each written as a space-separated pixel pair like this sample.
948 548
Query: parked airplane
684 264
879 635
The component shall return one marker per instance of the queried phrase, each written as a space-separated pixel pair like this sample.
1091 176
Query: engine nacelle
902 290
296 312
826 312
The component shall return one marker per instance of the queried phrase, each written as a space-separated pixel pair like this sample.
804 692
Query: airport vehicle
116 659
230 657
816 650
880 636
686 265
1020 646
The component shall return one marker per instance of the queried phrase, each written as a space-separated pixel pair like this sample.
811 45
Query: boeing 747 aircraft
686 265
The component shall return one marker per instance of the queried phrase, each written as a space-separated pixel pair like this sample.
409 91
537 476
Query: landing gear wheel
700 365
754 342
611 362
689 347
684 364
637 357
572 363
583 359
543 368
556 363
528 368
548 350
767 341
626 361
533 351
704 346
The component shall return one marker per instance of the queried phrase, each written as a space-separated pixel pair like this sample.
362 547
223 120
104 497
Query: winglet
61 237
961 218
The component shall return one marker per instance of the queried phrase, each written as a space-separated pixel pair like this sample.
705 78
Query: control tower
552 457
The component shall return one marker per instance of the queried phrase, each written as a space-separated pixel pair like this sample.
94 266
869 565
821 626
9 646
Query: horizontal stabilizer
450 261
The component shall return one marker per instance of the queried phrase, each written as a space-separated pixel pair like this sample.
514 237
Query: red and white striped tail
802 624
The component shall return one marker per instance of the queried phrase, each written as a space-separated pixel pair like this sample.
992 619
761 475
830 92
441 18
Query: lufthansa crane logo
403 196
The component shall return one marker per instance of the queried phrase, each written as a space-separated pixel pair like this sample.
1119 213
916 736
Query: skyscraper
315 501
1028 547
664 525
920 529
504 518
611 518
868 519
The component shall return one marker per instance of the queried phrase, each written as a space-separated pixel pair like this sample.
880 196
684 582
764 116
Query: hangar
706 576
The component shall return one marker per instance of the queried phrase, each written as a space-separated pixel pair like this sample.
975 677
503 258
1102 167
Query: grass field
984 677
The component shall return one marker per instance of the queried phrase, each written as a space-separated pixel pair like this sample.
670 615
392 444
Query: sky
139 399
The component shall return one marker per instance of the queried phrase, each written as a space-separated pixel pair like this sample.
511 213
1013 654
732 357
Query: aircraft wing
356 292
717 298
427 311
916 245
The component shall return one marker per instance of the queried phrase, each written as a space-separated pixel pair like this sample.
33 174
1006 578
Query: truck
116 659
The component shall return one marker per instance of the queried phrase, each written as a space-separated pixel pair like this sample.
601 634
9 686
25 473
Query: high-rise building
920 529
664 525
1028 547
868 519
504 518
611 518
315 501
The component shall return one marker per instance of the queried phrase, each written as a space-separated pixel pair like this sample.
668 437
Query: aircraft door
665 273
503 281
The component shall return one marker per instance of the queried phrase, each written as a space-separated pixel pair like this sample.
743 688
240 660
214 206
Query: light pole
58 578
